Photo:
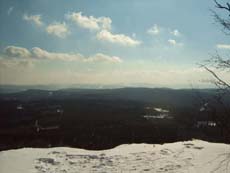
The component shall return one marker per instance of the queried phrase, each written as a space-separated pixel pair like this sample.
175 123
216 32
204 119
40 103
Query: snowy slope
187 157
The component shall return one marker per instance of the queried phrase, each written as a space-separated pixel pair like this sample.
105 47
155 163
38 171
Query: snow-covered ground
188 157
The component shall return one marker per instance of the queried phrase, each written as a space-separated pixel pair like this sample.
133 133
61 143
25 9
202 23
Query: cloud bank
13 53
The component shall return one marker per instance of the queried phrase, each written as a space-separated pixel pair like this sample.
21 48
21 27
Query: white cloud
43 54
175 33
103 57
10 10
39 53
17 52
90 22
174 43
36 53
155 30
105 22
117 38
58 29
223 46
36 19
102 25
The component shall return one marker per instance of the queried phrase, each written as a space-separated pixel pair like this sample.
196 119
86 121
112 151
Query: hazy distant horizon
96 86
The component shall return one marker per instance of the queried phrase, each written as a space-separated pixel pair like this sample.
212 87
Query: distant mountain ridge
183 97
19 88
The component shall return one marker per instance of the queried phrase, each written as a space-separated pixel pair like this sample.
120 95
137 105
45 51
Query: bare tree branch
219 80
218 105
223 22
218 5
219 63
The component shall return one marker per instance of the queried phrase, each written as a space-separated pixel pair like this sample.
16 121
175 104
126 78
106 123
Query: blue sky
156 43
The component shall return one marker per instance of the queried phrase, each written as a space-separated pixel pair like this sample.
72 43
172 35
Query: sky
157 43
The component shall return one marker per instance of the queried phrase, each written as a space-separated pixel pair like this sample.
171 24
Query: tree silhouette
218 104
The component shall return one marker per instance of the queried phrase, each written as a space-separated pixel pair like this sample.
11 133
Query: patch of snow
191 156
161 110
205 124
202 109
19 107
161 116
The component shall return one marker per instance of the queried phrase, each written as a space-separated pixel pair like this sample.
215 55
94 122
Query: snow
161 110
194 156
